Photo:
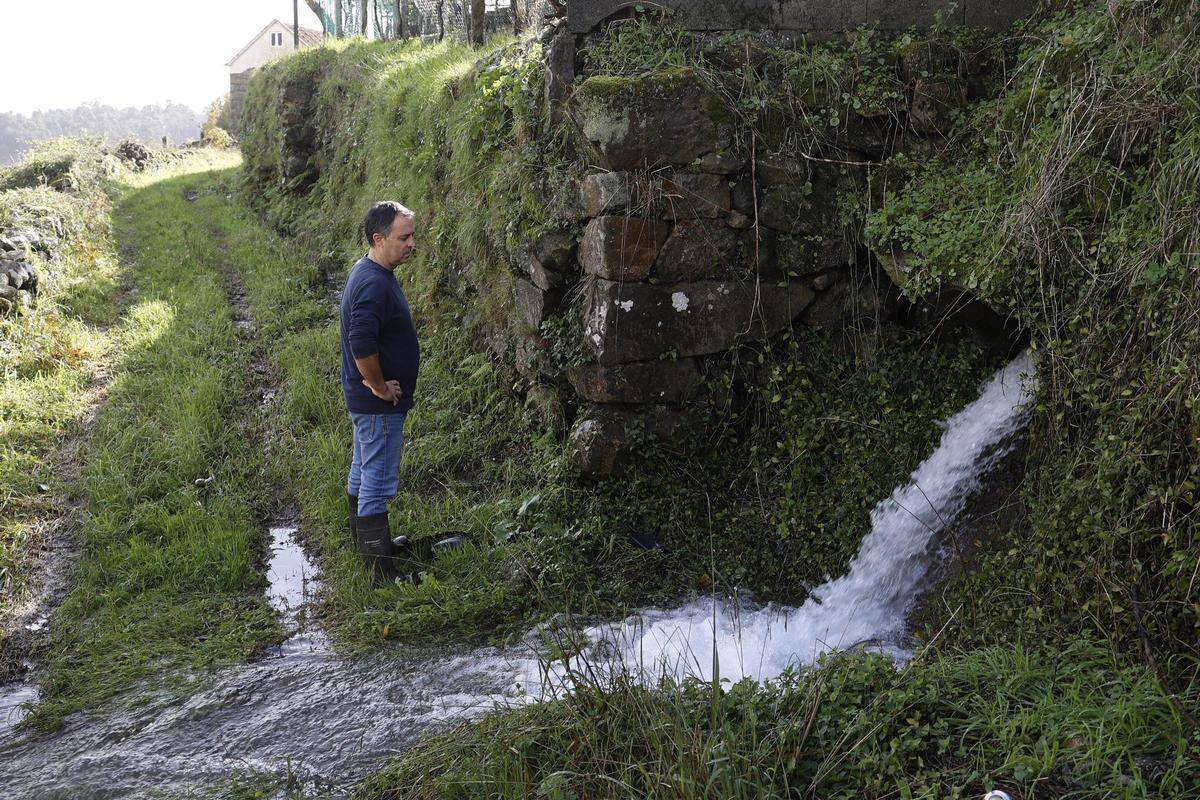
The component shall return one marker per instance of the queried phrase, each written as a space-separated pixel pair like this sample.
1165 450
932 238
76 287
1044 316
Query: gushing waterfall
867 604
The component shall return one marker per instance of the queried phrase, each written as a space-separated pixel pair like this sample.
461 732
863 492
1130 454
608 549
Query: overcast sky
127 52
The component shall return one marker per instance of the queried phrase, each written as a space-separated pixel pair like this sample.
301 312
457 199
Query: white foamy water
866 605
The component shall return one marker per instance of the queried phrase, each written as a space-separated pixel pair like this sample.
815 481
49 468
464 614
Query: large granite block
639 322
663 381
621 248
695 251
652 120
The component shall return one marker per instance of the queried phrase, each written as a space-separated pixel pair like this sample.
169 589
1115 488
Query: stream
328 721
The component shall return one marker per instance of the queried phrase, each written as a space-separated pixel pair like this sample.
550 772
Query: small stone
797 256
827 279
738 221
666 381
533 304
697 250
689 195
742 196
599 441
774 170
621 248
721 163
605 193
549 256
782 207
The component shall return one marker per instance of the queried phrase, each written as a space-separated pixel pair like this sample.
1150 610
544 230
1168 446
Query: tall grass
170 486
1036 722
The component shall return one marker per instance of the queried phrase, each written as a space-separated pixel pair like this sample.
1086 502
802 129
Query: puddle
290 573
293 582
11 701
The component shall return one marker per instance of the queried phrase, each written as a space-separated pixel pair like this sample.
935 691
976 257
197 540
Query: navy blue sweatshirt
375 319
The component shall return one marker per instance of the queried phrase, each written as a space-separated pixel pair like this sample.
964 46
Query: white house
270 43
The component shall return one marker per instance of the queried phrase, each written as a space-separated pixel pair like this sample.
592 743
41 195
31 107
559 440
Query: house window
276 40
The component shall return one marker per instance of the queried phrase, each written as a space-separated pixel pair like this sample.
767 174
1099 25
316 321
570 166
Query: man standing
380 360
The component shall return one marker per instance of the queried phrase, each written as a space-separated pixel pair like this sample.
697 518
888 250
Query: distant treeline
146 124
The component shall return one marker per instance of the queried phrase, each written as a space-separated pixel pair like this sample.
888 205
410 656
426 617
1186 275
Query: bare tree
401 19
340 14
478 15
363 17
441 9
320 11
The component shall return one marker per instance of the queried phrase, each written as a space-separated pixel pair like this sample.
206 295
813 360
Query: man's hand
389 391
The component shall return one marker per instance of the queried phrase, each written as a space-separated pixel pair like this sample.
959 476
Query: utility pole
295 24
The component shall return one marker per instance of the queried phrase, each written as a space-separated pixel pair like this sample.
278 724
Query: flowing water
328 721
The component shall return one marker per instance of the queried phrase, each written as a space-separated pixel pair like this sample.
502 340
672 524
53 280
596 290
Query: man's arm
373 379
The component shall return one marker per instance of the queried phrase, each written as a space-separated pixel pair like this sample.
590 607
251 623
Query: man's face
397 246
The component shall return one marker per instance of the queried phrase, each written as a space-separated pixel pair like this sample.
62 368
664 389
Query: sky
62 53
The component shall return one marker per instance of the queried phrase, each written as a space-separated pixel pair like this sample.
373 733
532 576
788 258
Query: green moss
647 92
1061 202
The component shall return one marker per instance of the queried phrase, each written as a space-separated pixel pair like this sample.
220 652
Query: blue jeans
375 462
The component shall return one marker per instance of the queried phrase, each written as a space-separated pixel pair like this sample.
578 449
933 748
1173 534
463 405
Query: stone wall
19 244
237 97
797 17
688 249
691 245
683 243
18 277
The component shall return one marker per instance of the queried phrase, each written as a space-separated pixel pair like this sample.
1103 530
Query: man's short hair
380 218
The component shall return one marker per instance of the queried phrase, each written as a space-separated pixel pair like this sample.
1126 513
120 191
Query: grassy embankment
1077 209
787 478
52 355
170 486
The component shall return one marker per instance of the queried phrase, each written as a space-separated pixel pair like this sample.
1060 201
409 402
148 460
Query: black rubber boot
374 545
352 508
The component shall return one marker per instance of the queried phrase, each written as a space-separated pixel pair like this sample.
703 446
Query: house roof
307 37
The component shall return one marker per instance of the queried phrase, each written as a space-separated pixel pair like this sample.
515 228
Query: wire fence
429 19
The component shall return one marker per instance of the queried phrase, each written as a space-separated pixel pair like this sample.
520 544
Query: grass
1038 722
50 357
479 461
169 572
55 357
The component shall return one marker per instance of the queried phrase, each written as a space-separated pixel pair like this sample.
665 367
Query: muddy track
272 507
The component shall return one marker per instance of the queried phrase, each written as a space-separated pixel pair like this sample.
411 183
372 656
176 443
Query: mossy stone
670 117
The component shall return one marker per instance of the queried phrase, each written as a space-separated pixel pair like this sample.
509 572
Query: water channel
326 720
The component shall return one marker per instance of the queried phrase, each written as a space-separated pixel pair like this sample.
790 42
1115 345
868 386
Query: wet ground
327 721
